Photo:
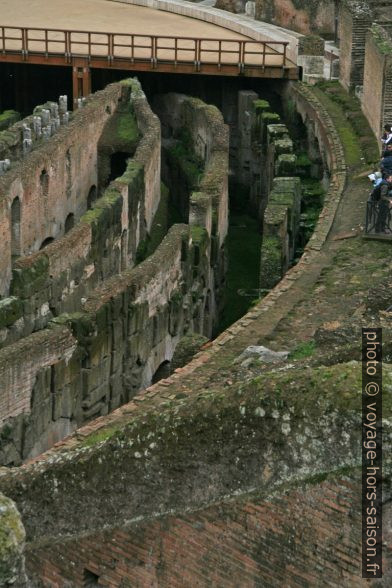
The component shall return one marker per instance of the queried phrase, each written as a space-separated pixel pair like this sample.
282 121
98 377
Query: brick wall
302 538
354 22
105 239
304 16
374 85
129 323
53 180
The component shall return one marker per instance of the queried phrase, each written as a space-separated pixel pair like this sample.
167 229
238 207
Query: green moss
8 118
381 39
12 537
127 128
305 349
101 435
270 118
271 262
11 309
28 280
82 325
198 234
184 159
261 106
355 133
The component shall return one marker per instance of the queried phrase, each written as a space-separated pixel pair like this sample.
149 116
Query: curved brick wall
106 346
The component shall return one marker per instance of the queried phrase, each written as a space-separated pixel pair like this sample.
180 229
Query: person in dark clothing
387 135
388 151
386 166
384 205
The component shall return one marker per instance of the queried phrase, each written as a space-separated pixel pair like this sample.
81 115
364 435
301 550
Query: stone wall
285 540
304 16
105 240
377 83
159 437
203 138
124 322
51 182
191 451
354 21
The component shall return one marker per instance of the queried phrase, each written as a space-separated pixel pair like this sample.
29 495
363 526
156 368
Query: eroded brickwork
293 539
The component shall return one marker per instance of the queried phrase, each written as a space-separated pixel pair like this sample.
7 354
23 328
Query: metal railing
142 48
378 218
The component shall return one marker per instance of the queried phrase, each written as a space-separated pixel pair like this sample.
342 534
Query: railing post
197 55
68 50
110 48
133 48
284 54
154 58
89 46
241 57
24 43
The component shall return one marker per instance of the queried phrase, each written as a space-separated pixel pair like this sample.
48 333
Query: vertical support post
81 80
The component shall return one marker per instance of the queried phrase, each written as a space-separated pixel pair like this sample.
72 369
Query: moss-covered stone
198 234
186 349
11 309
8 118
270 118
382 40
12 537
286 165
270 262
28 279
261 106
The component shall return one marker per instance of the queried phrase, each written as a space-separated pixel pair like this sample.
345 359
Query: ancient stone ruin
184 280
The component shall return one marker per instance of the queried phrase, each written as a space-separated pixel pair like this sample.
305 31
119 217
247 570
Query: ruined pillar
311 58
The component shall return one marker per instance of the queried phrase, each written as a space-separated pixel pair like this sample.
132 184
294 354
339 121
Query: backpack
376 193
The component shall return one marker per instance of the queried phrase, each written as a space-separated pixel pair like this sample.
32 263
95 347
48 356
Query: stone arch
118 164
162 372
15 227
46 242
69 222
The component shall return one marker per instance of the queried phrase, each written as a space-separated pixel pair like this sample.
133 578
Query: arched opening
118 164
90 579
44 182
15 227
92 196
69 222
46 242
162 372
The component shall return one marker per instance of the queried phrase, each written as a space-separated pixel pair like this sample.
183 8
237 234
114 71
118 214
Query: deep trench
244 235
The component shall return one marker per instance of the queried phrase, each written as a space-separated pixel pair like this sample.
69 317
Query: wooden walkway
101 34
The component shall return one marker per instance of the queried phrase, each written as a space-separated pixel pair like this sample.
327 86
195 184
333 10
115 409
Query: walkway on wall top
122 36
